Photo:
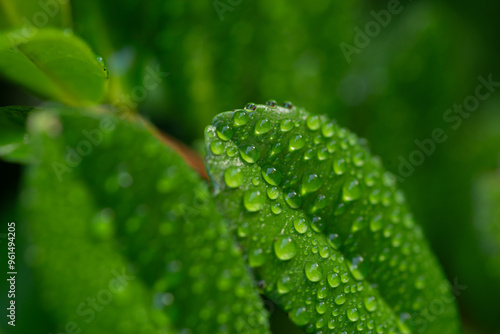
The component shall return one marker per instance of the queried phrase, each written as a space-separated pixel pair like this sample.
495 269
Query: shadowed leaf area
144 215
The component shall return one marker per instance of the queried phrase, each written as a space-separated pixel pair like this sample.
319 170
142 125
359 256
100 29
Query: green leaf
324 225
152 212
13 139
53 64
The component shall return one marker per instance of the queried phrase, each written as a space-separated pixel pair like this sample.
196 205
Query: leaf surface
324 225
117 186
53 64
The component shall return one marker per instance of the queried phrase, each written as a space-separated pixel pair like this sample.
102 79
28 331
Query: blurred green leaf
126 47
53 64
144 209
325 227
13 139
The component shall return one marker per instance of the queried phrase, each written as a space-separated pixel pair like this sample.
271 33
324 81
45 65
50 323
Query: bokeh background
395 90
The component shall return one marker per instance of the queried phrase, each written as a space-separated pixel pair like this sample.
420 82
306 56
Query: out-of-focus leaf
13 139
53 64
34 14
145 209
323 224
126 47
85 282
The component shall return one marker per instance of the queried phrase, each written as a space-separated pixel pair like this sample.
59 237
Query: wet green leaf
145 209
323 224
53 64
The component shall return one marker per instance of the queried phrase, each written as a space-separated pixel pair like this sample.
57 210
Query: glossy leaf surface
324 225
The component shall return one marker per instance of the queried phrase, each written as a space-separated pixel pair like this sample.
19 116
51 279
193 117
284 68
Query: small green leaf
53 64
13 138
152 207
324 225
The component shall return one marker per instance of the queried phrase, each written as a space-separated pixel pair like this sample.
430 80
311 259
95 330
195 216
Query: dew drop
322 292
327 130
370 179
253 200
231 151
286 125
353 314
339 166
331 146
376 223
250 153
276 149
374 196
276 208
262 126
358 158
323 154
313 122
340 299
358 267
310 182
293 199
300 316
309 154
217 147
351 190
233 177
321 307
317 224
240 118
333 280
273 193
358 224
370 303
271 175
313 271
225 132
296 142
334 240
300 225
284 247
284 284
324 252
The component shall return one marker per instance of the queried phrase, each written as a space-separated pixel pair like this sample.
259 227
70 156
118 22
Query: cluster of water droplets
320 183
